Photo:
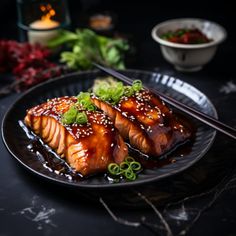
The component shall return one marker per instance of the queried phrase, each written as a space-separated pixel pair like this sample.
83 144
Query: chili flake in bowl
187 43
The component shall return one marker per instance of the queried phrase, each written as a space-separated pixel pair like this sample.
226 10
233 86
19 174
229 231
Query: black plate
16 140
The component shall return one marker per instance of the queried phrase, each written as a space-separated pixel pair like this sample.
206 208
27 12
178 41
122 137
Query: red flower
27 62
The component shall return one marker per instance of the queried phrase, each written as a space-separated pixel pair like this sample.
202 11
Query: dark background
135 19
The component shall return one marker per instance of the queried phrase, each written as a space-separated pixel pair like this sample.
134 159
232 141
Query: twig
167 227
117 219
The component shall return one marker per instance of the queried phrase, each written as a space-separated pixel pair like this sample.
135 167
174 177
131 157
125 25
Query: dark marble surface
189 203
199 201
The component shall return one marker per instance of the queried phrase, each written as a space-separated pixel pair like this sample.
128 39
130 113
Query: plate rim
108 185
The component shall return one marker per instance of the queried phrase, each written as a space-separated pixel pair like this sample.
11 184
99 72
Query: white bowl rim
187 46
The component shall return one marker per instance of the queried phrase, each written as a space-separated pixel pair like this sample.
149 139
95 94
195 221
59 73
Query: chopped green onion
137 85
126 169
124 165
74 116
81 118
129 174
114 169
85 101
128 91
129 159
117 92
91 107
135 165
111 91
69 117
83 96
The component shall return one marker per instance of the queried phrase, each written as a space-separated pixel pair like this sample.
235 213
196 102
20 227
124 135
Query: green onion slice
85 101
112 91
137 85
135 166
69 117
126 169
124 165
129 174
81 118
129 159
114 169
128 91
73 115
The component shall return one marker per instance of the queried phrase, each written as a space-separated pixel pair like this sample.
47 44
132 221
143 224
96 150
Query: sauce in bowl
186 36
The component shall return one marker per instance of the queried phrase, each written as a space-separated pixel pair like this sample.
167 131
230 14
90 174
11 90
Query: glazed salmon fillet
87 148
146 122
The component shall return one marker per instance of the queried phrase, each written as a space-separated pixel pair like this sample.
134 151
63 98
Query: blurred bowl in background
189 57
102 22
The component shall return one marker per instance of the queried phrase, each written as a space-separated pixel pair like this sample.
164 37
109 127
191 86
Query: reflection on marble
229 87
176 218
38 213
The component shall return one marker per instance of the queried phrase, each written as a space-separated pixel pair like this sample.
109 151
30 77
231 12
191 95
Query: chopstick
204 118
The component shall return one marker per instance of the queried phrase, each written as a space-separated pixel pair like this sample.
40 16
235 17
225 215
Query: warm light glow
45 23
48 12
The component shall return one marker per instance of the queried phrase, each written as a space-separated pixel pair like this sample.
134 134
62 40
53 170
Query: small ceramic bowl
189 57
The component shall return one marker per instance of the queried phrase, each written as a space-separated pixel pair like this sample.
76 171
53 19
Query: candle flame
48 12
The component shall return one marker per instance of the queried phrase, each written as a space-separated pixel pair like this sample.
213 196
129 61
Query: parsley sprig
84 46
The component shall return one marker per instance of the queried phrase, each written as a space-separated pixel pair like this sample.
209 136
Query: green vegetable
128 91
167 35
127 169
85 47
81 118
114 169
65 36
69 117
181 32
111 91
117 92
137 85
85 101
74 116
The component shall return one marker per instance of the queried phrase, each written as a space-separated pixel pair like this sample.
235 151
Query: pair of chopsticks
206 119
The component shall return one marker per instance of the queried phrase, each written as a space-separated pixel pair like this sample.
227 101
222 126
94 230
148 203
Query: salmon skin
146 122
87 148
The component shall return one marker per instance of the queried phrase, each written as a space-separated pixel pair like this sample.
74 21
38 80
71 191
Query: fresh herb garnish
74 114
69 116
128 91
85 101
127 169
86 47
111 91
137 85
81 118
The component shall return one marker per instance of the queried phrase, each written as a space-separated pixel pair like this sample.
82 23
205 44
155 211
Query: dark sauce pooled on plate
49 159
54 163
178 151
